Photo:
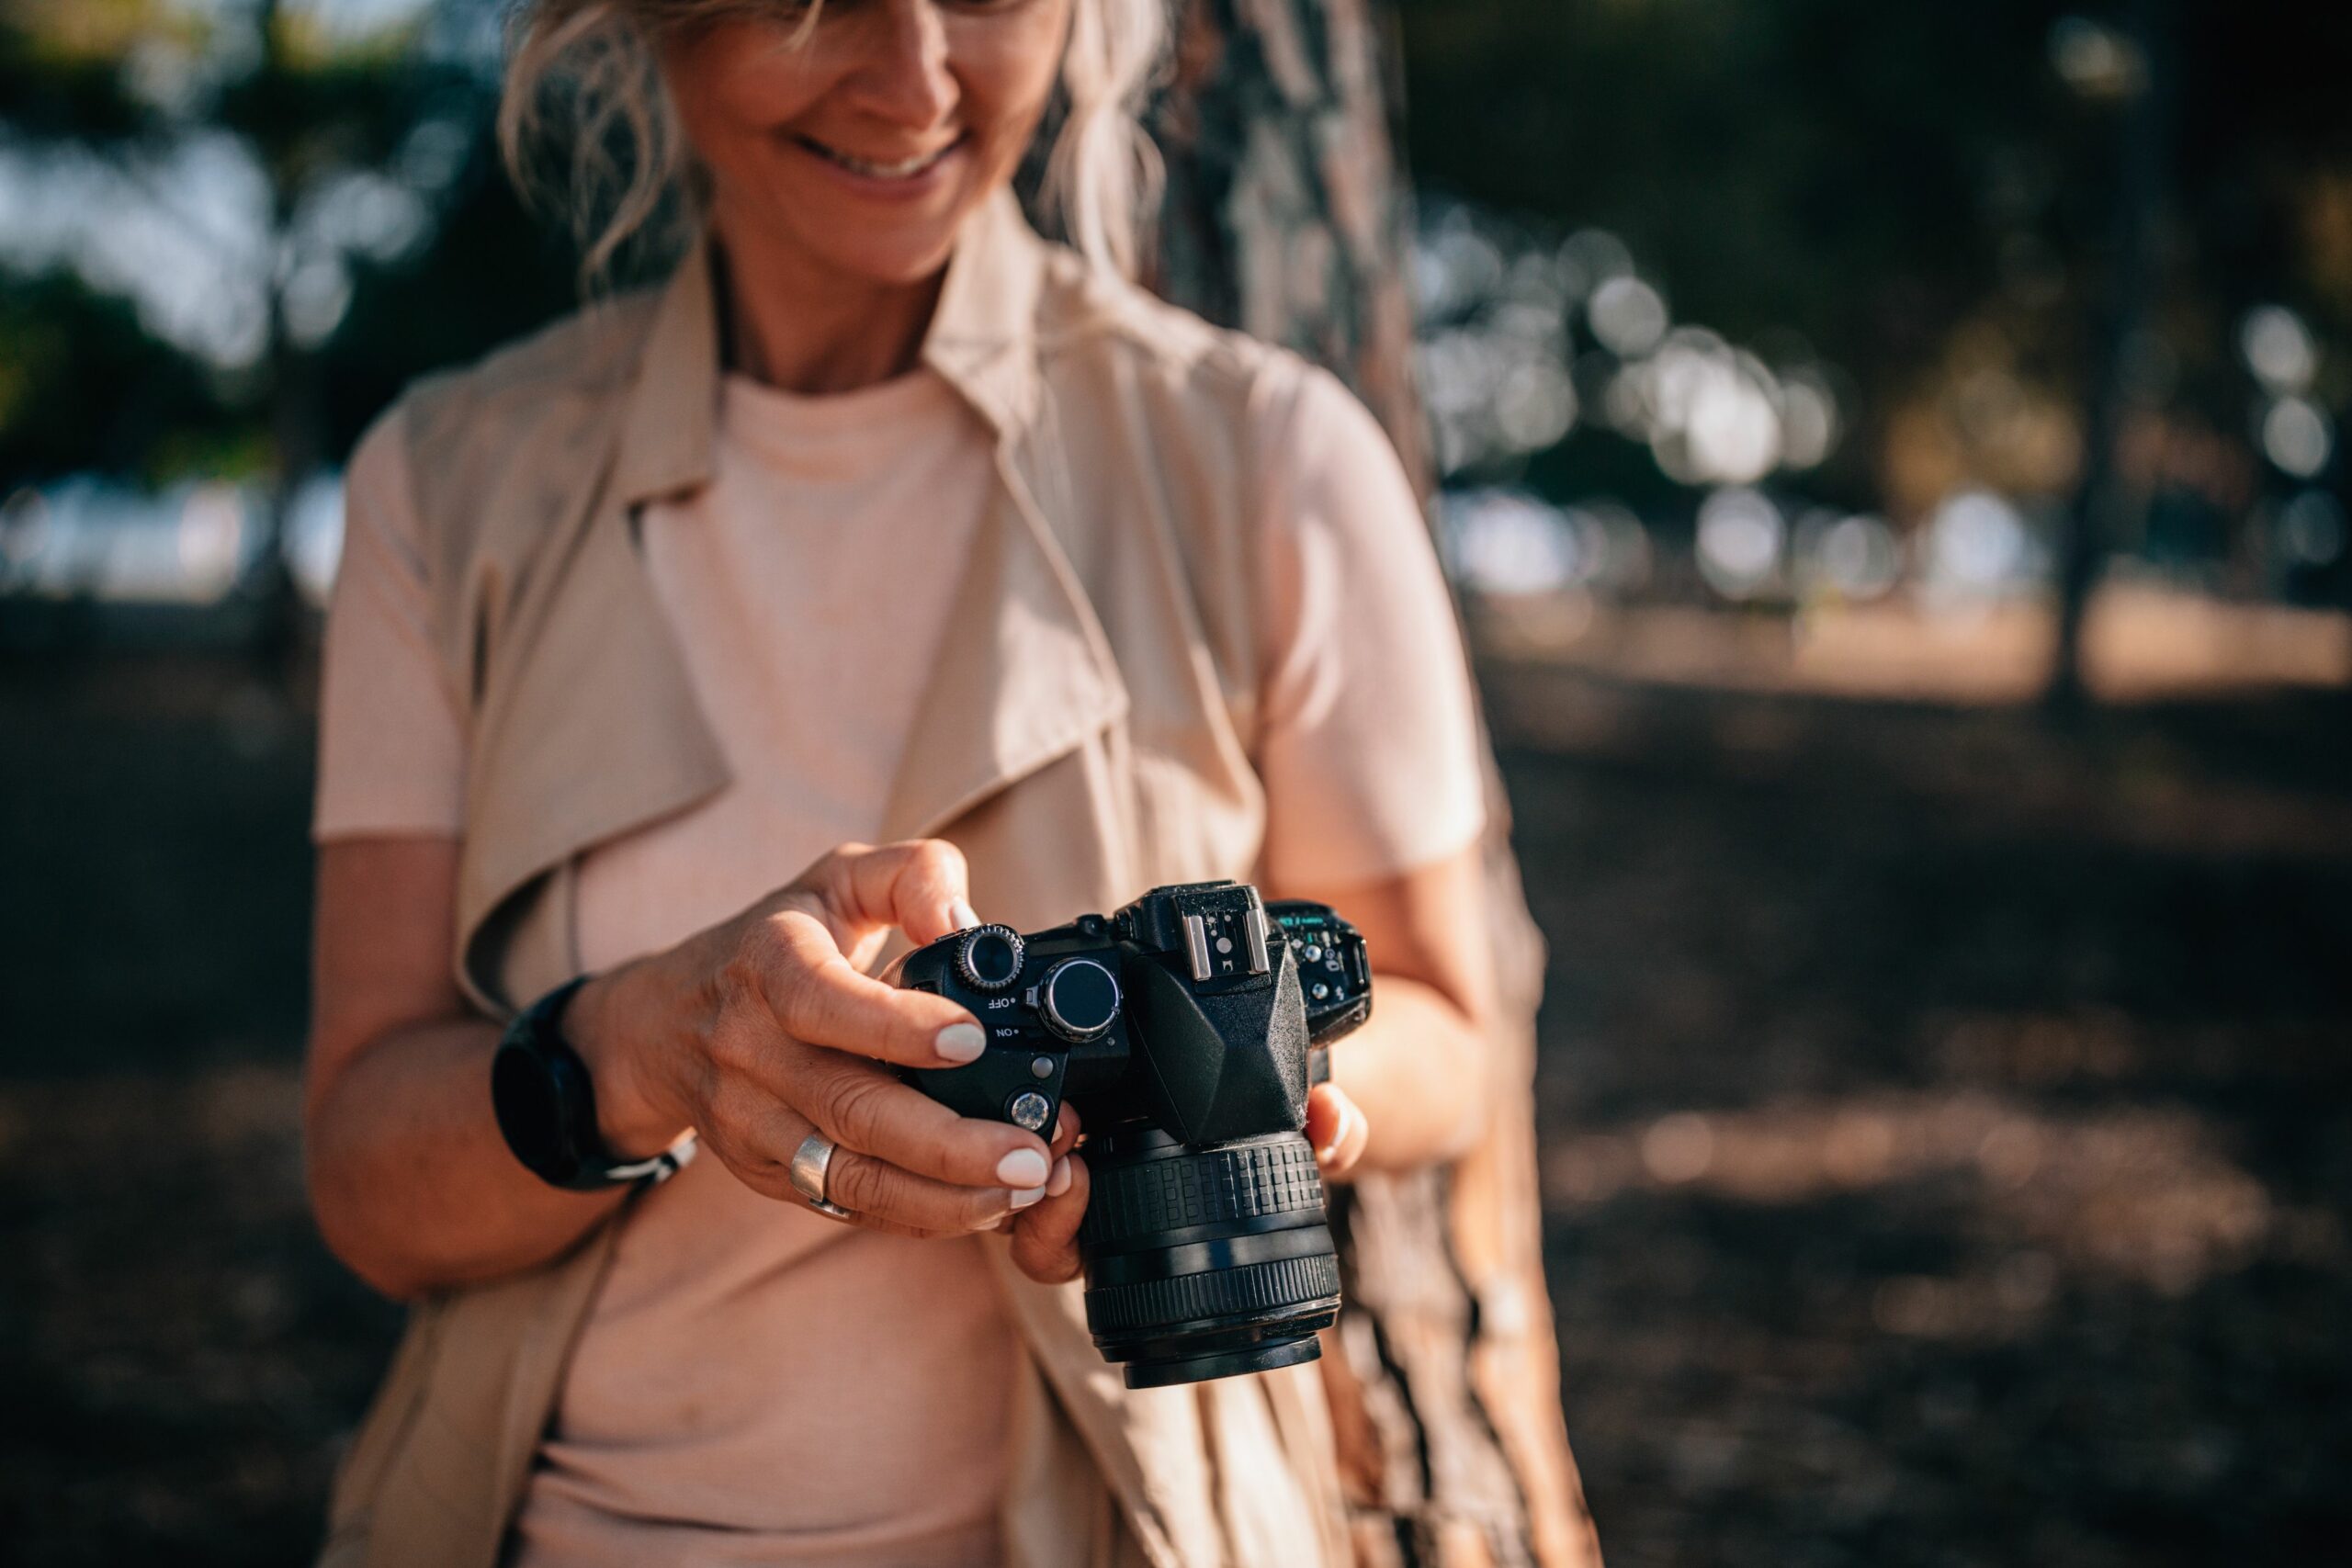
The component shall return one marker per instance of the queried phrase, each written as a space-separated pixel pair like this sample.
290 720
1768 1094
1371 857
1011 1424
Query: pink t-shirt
754 1383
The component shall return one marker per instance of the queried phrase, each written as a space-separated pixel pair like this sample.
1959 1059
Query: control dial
989 957
1078 1000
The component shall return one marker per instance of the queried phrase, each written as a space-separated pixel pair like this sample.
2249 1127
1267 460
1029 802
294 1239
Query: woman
885 571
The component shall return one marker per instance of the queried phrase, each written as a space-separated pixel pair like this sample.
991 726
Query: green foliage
1879 177
84 384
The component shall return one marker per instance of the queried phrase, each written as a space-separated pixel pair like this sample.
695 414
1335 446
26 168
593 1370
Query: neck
815 331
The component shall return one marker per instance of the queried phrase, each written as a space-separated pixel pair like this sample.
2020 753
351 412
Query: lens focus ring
1275 1287
1248 1181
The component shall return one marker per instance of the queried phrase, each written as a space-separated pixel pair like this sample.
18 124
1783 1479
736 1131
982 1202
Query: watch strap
545 1105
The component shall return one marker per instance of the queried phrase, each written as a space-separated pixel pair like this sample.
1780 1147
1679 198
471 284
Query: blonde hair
588 130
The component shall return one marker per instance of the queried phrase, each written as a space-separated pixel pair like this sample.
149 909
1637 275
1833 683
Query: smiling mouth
902 169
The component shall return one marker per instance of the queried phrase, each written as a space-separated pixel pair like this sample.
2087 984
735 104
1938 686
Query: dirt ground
1946 1138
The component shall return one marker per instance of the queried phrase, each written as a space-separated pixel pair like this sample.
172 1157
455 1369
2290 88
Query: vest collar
1024 675
981 340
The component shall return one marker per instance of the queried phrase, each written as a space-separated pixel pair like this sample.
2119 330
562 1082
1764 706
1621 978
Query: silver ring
811 1162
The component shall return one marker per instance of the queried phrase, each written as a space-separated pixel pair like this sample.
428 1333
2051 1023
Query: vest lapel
589 728
1023 673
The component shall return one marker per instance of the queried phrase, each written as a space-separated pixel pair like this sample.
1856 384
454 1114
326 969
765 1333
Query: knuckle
804 995
733 1047
832 872
857 1106
859 1183
733 1120
937 857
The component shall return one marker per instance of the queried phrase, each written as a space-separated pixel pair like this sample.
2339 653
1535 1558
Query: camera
1186 1028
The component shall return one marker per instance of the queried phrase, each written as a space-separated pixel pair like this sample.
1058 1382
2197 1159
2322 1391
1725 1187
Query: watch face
524 1094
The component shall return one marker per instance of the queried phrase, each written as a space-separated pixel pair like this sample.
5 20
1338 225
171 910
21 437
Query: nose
903 76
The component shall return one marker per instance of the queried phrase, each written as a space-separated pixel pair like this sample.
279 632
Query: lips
907 168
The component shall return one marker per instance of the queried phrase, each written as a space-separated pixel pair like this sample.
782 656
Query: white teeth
915 166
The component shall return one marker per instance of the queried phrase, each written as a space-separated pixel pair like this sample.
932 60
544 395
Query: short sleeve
1368 735
391 737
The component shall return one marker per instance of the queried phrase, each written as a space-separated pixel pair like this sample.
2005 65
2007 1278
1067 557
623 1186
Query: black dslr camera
1185 1029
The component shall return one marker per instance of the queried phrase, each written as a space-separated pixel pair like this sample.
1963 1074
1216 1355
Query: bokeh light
2279 348
2298 436
1741 535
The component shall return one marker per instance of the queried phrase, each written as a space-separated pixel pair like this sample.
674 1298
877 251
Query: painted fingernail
1348 1120
961 1041
1338 1135
1022 1167
1059 1183
1023 1197
964 915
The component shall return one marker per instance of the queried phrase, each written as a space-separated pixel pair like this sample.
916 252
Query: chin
858 243
881 262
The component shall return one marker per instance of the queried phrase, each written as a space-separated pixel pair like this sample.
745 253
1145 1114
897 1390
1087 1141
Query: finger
876 1189
755 1138
863 1108
817 996
1066 1131
1337 1127
1044 1238
920 885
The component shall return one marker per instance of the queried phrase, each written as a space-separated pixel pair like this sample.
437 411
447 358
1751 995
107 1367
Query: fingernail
1022 1167
1023 1197
964 915
961 1041
1059 1183
1348 1120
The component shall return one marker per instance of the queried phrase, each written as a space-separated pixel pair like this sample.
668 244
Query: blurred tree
1287 216
1285 213
362 147
1926 198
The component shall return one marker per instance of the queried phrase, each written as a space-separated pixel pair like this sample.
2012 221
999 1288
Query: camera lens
1205 1262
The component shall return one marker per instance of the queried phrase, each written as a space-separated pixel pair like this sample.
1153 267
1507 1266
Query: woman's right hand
766 1028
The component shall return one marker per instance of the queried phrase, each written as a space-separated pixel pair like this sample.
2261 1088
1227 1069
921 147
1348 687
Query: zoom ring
1221 1293
1154 1197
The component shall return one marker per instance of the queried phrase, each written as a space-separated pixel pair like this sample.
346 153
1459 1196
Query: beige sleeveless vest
1084 735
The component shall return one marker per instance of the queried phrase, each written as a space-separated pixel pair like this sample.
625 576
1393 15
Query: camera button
1078 1000
989 958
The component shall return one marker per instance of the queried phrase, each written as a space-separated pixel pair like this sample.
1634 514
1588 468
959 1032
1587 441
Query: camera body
1186 1028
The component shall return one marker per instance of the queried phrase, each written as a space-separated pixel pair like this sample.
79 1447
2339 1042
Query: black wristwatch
547 1107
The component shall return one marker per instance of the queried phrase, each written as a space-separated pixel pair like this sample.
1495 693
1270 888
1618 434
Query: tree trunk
2094 518
1285 214
1286 217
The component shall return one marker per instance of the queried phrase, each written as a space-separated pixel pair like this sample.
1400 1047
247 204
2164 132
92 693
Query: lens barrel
1205 1262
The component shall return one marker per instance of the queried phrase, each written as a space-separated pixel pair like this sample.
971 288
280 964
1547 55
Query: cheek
1008 66
735 81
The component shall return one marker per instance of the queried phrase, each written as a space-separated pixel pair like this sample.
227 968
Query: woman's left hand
1045 1235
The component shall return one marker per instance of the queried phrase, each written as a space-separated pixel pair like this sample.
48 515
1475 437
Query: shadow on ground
1945 1126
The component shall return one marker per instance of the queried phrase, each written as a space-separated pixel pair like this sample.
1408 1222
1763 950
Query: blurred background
1891 459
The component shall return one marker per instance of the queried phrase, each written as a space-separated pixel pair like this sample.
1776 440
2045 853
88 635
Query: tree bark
1286 216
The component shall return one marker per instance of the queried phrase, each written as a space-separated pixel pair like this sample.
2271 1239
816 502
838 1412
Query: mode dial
1078 1000
989 958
